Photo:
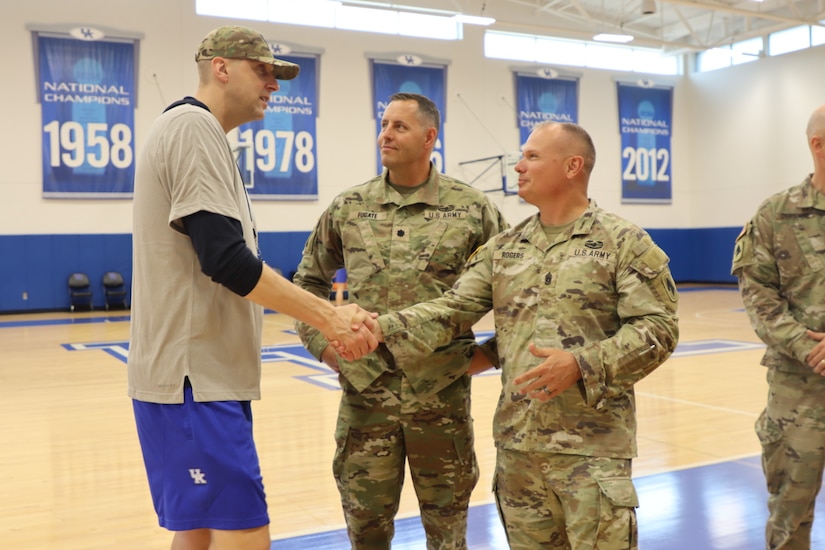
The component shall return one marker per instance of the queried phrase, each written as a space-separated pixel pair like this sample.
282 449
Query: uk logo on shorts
197 476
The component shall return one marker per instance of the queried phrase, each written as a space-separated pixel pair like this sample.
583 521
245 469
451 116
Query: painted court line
696 404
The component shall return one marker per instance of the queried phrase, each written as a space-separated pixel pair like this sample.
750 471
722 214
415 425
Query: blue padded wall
39 265
283 249
699 255
36 268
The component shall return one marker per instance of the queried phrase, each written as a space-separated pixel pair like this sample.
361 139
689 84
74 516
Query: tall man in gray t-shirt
198 288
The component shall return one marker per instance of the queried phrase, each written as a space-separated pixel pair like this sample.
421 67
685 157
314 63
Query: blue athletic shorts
202 464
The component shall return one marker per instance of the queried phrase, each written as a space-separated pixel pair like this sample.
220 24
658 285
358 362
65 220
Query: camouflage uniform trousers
384 426
792 432
572 502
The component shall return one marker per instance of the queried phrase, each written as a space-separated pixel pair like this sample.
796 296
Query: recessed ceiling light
474 19
607 37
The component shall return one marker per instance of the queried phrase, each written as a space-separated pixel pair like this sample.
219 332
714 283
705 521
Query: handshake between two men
357 333
354 334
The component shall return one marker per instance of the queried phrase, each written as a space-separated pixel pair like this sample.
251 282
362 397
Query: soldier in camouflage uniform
403 237
584 308
779 260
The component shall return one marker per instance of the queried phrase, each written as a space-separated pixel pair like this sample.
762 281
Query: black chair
80 291
114 290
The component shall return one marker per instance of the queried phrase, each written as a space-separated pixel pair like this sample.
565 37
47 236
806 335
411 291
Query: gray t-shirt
183 323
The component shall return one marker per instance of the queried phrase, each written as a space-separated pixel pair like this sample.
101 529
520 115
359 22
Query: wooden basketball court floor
71 475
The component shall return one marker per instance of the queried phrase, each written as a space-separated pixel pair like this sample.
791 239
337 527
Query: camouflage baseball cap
233 41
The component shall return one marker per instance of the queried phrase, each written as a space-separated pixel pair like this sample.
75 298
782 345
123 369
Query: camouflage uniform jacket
398 251
779 259
601 291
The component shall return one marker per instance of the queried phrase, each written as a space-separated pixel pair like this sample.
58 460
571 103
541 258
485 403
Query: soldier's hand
352 338
330 358
551 377
816 357
376 330
479 363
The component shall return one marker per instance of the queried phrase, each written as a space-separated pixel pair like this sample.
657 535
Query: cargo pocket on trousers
617 514
339 459
619 491
767 430
467 474
498 506
774 458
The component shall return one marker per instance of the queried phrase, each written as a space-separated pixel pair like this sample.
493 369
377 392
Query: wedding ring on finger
548 392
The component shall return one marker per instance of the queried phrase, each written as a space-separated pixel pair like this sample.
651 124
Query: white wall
748 139
738 133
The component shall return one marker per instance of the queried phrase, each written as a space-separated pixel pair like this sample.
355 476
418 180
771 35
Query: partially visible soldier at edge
779 259
585 307
403 237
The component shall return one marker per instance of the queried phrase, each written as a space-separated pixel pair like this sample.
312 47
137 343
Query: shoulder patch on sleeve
652 265
651 262
742 249
669 286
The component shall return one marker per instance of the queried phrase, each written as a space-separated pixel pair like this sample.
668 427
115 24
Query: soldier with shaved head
584 307
779 260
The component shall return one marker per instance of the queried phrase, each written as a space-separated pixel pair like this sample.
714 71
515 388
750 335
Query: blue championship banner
407 75
277 155
645 123
86 93
541 98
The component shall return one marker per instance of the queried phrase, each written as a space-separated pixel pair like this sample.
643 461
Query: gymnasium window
733 54
778 43
789 40
435 24
817 36
580 53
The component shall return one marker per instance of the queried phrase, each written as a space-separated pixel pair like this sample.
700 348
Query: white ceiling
675 25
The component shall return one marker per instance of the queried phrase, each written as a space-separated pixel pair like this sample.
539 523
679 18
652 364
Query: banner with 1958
86 92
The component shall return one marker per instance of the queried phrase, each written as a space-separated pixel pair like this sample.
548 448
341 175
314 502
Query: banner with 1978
277 155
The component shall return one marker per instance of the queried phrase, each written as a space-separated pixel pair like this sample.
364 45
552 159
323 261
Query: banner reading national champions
545 96
87 96
645 123
277 155
409 75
